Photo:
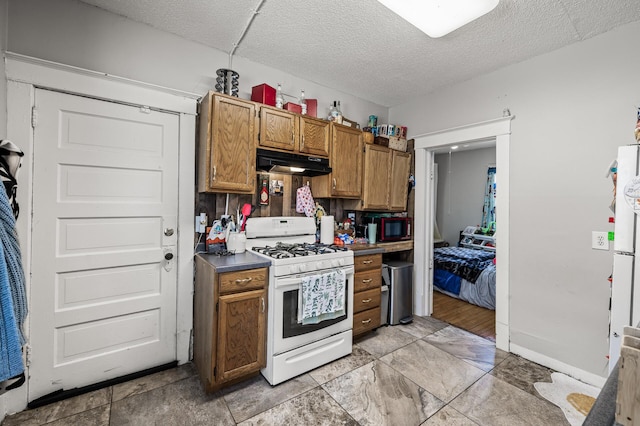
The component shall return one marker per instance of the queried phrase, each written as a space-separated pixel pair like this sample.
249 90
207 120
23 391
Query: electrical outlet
600 240
201 223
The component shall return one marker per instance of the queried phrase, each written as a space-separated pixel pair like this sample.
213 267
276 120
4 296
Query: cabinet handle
293 137
302 142
243 281
366 300
262 300
367 281
213 173
366 262
334 183
366 321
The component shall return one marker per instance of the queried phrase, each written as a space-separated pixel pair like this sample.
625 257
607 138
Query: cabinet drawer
366 320
366 300
251 279
367 280
366 262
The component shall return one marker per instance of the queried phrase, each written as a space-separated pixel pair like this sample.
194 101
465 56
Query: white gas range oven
294 346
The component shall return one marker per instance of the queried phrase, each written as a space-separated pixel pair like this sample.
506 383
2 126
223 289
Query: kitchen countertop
235 262
363 249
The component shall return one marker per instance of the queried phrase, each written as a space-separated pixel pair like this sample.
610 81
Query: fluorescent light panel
439 17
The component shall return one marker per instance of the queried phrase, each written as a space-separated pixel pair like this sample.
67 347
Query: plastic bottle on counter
303 103
339 115
279 97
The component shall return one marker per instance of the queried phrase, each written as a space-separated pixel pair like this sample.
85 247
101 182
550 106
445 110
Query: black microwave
393 229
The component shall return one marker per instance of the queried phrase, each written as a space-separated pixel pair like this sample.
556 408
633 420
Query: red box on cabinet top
312 107
264 93
290 106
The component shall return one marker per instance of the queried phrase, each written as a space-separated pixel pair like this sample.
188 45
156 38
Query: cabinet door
346 162
314 136
399 187
375 188
278 129
241 334
231 147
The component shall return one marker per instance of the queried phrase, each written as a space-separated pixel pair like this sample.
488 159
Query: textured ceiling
360 47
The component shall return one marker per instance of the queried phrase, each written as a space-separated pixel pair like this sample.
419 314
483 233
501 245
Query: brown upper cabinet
227 145
345 180
399 185
292 132
386 177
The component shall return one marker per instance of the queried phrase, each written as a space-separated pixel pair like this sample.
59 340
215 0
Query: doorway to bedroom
497 131
464 237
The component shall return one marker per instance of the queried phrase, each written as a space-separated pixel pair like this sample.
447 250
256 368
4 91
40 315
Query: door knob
168 256
168 232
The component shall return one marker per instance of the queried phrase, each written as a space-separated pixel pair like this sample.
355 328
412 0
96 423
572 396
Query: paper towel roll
326 229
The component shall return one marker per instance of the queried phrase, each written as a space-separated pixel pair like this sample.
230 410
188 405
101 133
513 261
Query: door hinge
217 305
34 117
27 355
431 175
215 371
430 263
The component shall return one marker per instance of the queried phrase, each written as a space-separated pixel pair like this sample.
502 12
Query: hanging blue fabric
10 347
489 208
12 260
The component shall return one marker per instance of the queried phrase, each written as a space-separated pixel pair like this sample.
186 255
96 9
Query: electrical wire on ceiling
254 13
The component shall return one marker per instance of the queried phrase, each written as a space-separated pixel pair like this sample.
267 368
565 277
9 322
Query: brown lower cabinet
229 327
367 293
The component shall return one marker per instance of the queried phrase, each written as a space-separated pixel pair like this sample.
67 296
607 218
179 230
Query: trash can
384 304
399 277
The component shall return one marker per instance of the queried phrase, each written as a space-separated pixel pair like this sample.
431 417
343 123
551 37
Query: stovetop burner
284 250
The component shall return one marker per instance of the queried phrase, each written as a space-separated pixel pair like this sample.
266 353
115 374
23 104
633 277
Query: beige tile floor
425 373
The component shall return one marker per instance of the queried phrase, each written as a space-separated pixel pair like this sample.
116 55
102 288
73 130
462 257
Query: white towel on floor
322 297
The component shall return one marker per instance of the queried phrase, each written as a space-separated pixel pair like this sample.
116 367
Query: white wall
573 107
461 186
3 80
77 34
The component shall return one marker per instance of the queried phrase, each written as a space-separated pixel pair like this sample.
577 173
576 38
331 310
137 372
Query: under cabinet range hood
290 163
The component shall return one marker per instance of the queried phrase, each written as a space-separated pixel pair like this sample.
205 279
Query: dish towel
322 297
304 201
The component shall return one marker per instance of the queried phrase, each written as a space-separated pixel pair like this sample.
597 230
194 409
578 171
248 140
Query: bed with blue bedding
467 274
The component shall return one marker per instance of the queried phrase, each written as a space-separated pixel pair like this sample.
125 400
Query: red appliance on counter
393 228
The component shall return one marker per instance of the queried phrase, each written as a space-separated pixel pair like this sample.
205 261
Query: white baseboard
559 366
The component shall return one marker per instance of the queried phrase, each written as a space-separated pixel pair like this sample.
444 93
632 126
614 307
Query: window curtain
489 208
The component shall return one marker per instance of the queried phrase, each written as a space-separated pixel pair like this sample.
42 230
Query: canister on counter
373 121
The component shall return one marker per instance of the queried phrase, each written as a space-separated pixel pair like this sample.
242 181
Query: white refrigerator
625 294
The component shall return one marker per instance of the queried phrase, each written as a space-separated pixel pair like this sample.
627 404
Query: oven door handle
296 281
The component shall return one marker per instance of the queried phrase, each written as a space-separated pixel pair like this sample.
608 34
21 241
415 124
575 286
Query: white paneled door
103 286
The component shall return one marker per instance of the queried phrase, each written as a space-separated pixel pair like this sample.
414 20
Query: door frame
425 146
24 75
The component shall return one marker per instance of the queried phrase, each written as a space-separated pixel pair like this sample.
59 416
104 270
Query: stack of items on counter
390 135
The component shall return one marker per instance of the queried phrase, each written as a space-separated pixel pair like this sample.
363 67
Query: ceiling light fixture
439 17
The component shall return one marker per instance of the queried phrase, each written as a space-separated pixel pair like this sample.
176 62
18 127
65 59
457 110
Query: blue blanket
10 346
463 262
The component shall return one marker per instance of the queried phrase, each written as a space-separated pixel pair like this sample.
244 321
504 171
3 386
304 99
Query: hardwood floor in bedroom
475 319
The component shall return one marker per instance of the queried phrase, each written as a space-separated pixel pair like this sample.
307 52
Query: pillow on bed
446 281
